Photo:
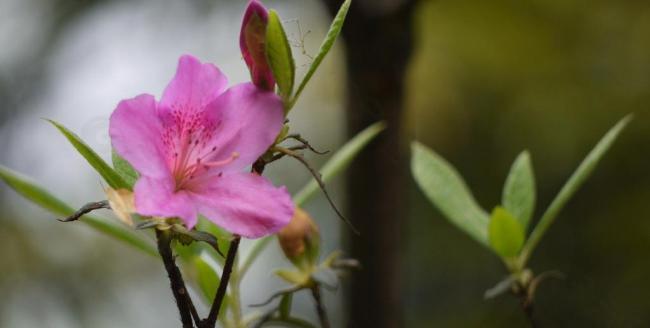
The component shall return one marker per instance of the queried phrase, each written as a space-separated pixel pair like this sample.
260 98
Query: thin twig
320 182
303 141
278 294
532 287
183 300
211 320
85 210
320 307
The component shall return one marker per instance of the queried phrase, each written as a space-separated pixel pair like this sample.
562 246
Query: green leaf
120 232
446 189
332 35
339 161
31 191
124 169
505 233
278 52
519 190
576 180
112 178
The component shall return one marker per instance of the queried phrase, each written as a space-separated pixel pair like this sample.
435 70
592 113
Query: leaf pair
505 230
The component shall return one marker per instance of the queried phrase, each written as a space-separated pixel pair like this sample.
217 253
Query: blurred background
477 81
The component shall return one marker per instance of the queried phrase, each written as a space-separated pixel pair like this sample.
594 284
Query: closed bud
300 240
252 41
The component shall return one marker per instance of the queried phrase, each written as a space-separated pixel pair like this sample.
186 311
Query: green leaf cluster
504 231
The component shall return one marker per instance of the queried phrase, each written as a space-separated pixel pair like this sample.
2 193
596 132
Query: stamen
228 160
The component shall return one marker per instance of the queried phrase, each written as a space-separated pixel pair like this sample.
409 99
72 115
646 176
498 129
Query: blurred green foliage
489 79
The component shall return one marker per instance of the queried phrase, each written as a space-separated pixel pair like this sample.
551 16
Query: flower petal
248 119
156 197
136 135
194 85
245 204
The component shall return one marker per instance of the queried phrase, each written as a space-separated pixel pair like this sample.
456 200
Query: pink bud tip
252 41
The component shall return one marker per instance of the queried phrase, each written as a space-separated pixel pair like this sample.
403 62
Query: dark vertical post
377 36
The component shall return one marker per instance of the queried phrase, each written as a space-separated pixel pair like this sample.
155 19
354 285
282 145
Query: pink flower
252 41
191 149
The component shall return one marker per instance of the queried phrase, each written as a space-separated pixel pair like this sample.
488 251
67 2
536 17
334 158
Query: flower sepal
179 232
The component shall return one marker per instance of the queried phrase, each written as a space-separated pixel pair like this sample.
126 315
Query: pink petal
194 85
135 132
245 204
249 120
157 197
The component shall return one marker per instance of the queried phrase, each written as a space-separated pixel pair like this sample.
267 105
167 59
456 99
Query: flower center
187 136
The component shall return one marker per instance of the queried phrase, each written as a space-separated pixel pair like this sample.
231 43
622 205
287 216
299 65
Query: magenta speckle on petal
191 148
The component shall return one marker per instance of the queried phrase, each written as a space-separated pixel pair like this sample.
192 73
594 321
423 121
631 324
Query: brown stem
527 307
85 210
258 166
523 292
183 300
211 320
320 307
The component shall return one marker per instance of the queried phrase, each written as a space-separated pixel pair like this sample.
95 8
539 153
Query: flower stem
211 320
320 308
527 307
183 301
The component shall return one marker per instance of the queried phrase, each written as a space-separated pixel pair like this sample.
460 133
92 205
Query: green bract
279 56
505 233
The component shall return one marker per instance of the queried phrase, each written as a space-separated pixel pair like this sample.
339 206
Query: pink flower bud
252 41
